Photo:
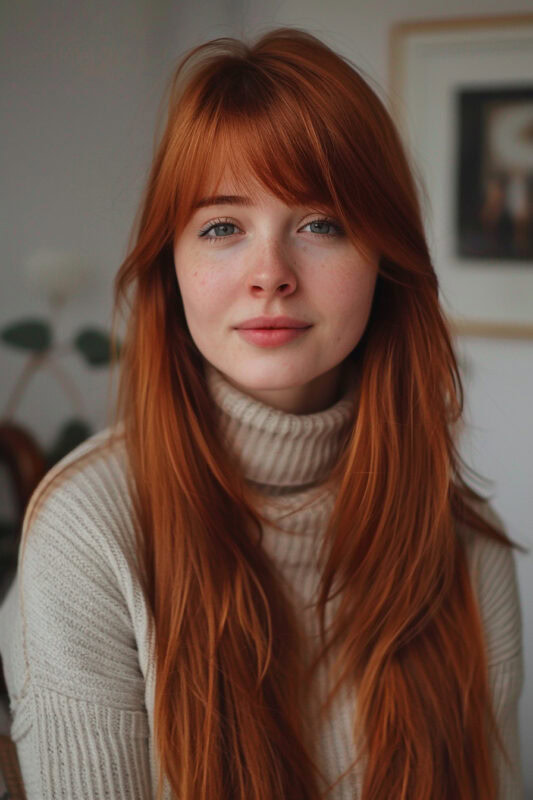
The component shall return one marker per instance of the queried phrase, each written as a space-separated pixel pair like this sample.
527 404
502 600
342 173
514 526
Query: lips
265 323
271 337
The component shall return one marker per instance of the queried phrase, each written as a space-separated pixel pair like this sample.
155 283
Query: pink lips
272 331
273 322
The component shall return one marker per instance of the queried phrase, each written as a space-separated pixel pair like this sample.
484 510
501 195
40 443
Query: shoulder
80 603
84 500
78 545
493 571
95 468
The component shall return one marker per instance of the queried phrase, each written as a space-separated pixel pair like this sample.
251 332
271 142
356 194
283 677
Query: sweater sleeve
496 582
77 702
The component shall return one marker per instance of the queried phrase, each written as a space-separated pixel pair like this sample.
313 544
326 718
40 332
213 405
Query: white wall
76 113
80 88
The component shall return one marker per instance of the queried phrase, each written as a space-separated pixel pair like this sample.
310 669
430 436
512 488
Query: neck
317 395
275 448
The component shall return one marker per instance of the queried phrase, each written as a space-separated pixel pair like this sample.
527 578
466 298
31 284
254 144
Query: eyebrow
224 199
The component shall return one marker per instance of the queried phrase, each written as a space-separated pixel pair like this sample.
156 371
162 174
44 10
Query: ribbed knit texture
76 637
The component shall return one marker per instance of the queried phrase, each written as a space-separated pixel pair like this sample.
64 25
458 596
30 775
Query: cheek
202 291
348 291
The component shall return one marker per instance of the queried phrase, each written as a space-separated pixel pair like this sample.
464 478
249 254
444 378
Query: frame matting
457 88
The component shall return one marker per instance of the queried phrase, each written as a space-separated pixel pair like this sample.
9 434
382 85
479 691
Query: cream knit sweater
76 637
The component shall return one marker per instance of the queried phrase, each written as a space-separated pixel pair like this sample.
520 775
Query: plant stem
35 362
70 388
31 366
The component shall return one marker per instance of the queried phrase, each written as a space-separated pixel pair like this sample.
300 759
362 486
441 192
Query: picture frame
461 93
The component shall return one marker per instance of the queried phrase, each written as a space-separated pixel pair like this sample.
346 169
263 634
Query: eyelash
223 221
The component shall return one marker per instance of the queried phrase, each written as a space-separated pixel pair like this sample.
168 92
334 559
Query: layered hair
407 634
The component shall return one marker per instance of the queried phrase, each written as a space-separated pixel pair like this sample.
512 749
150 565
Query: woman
269 576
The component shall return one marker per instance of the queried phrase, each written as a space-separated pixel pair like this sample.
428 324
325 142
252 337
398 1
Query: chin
267 383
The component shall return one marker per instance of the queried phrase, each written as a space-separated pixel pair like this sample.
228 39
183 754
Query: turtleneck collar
276 448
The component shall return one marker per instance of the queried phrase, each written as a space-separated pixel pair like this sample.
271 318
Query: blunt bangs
244 126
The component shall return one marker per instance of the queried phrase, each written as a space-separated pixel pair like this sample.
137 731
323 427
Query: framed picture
461 92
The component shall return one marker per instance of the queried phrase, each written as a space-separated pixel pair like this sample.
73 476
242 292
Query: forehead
245 189
241 187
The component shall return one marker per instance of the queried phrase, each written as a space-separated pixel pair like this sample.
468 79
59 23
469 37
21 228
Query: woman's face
238 259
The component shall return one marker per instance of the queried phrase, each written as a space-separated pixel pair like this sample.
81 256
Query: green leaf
71 434
29 334
94 345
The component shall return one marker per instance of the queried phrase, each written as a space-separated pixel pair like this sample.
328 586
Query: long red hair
407 634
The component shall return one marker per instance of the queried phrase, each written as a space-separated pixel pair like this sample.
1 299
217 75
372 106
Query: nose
272 273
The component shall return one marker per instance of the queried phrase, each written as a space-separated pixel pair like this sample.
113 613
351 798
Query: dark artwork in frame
494 177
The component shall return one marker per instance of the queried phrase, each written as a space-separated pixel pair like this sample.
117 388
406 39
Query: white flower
57 274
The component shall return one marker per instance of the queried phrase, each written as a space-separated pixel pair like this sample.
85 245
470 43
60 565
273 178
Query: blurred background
81 87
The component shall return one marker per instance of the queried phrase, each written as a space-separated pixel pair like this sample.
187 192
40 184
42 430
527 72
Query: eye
222 229
318 226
